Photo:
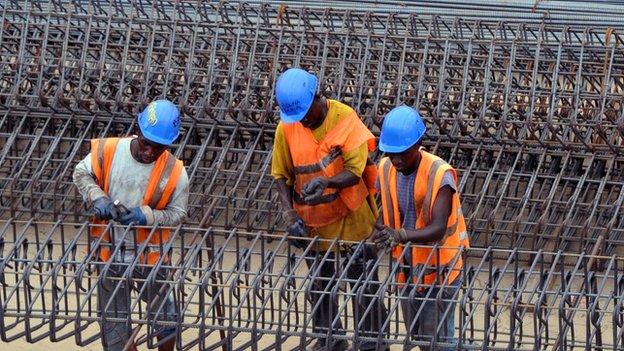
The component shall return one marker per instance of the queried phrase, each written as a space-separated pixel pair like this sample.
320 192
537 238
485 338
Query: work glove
104 208
134 215
386 238
298 229
359 254
314 189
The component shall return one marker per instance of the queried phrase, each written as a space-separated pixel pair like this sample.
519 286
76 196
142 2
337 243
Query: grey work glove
104 208
297 229
386 238
313 191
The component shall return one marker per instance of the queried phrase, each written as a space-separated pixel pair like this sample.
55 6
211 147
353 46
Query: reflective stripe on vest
429 174
155 196
312 158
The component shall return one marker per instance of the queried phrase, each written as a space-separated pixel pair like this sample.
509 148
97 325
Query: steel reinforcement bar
530 115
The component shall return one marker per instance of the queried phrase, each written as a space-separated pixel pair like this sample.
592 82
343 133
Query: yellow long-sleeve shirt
356 225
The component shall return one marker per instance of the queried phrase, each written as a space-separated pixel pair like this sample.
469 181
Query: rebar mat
257 291
530 113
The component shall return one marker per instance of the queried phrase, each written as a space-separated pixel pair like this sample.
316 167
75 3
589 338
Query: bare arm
439 219
285 193
343 180
354 164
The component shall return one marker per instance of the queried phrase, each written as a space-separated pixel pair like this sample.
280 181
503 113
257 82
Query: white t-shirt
127 183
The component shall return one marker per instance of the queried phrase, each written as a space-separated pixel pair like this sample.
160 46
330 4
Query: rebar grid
552 12
491 82
257 292
512 196
529 113
228 166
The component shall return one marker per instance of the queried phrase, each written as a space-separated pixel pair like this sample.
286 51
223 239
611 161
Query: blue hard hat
294 92
401 129
160 122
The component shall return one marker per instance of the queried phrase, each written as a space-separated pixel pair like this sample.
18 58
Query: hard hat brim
156 139
396 149
393 149
294 118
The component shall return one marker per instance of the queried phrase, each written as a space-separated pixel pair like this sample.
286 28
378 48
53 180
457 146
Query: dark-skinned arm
285 195
317 186
343 180
294 223
441 211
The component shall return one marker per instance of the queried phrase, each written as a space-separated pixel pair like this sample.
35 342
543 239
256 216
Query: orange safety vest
312 158
156 196
428 178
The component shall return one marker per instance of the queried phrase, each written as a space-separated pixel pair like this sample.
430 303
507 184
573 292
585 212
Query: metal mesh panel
530 114
257 292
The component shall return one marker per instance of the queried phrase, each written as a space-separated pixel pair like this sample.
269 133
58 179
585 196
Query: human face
316 114
147 151
407 161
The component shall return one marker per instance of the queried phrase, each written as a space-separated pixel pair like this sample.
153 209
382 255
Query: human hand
386 238
314 189
298 230
104 208
290 216
134 215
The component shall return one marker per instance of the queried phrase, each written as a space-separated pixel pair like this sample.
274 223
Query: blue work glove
314 189
298 230
104 208
134 215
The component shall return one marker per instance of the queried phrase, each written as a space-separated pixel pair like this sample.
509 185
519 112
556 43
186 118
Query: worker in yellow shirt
326 185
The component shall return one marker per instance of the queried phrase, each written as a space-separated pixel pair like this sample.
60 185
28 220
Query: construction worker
135 180
326 182
420 205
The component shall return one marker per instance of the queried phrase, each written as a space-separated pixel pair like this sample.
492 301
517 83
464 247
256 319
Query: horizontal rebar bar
513 196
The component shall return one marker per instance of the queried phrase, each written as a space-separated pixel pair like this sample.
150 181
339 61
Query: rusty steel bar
541 198
604 13
485 81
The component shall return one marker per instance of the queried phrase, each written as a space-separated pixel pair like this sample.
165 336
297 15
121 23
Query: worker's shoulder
122 147
433 158
175 157
340 110
280 127
280 130
183 179
428 155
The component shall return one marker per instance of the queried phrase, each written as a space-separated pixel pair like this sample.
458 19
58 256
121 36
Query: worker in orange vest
135 181
420 206
326 181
